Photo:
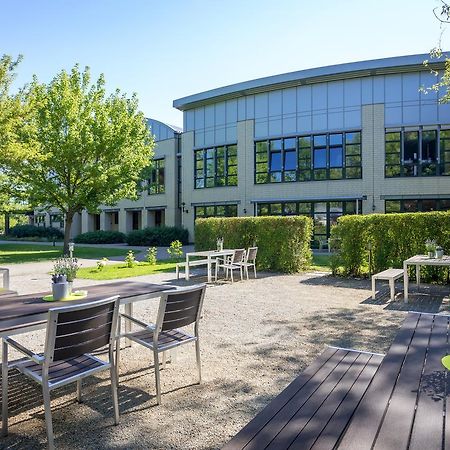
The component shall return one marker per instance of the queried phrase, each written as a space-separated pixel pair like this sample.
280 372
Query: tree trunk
67 228
6 224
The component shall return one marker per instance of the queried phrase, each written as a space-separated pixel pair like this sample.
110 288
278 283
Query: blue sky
168 49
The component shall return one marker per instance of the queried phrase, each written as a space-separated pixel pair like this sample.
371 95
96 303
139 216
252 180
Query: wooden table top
17 306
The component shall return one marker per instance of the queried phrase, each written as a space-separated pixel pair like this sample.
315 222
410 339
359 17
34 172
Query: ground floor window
216 211
57 220
417 205
325 214
39 221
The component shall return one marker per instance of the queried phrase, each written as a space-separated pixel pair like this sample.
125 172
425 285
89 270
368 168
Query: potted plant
68 267
430 246
439 252
60 286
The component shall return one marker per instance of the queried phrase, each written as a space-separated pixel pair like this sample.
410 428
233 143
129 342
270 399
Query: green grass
115 271
23 253
321 263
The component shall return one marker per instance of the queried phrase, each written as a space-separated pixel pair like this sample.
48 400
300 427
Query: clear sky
167 49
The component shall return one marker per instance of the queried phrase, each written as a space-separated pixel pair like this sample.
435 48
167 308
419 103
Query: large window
333 156
417 205
216 166
216 211
156 184
57 220
325 214
417 153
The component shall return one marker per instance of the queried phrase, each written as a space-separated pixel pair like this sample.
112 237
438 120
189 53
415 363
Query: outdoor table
209 255
23 313
421 260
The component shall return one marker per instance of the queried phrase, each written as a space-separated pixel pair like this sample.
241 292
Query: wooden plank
429 419
336 426
313 429
329 358
297 413
396 427
364 425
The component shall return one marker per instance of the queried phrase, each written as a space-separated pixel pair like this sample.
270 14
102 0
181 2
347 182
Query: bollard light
71 248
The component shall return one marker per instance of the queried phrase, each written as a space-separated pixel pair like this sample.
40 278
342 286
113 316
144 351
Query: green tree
76 147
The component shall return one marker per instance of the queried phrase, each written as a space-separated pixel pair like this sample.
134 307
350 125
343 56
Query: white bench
198 262
390 275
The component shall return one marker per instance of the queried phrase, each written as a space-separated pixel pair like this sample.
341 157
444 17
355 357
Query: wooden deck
354 400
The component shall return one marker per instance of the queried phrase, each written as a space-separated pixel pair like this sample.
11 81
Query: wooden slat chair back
238 256
251 254
73 332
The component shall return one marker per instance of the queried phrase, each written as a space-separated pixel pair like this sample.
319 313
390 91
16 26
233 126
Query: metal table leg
405 282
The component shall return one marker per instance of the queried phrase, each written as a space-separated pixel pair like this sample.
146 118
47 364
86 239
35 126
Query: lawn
115 271
23 253
321 263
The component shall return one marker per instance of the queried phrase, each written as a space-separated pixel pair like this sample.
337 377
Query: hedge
159 236
100 237
283 242
24 231
392 237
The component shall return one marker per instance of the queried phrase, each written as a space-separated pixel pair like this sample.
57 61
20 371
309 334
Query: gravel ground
256 337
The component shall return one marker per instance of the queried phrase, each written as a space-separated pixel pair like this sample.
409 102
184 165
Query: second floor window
216 166
333 156
156 183
417 153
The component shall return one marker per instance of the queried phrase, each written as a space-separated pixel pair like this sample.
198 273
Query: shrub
392 237
130 260
175 250
151 256
101 264
157 236
24 231
100 237
283 242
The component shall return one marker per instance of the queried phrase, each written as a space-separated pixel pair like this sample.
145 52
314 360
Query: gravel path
256 337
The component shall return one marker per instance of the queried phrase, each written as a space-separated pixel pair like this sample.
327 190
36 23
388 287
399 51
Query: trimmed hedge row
25 231
392 237
100 237
157 236
283 242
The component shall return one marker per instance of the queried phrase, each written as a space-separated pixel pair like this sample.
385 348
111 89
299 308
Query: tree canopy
74 147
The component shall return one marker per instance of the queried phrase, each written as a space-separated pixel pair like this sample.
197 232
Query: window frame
154 185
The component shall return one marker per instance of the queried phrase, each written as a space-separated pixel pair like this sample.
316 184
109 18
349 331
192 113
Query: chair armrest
19 347
136 321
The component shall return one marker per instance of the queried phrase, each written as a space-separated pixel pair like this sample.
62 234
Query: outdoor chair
177 309
250 260
73 332
232 263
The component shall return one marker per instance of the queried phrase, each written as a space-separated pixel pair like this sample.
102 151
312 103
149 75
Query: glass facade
417 153
324 213
216 211
332 156
156 183
216 166
417 205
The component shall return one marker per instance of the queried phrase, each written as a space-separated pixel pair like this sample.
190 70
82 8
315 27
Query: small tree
78 148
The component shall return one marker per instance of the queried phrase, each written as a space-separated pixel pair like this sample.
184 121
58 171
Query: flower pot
431 255
439 254
60 290
69 287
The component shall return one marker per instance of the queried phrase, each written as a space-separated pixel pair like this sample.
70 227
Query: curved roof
398 64
163 131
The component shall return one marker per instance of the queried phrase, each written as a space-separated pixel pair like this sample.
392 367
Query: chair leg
79 399
157 377
199 364
242 275
254 269
232 279
4 388
246 272
216 273
48 416
115 393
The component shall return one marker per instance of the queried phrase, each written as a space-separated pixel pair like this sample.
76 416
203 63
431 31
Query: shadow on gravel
322 279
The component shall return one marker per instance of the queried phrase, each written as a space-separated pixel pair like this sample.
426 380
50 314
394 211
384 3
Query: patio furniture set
394 274
228 260
75 332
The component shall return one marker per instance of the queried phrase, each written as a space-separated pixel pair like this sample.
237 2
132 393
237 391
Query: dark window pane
336 157
320 174
261 178
275 209
263 209
429 205
335 174
305 153
393 147
209 211
410 206
444 205
262 167
261 147
289 143
261 157
336 207
393 158
232 180
290 209
220 211
350 207
231 211
320 158
353 149
275 161
232 150
220 152
392 171
304 208
304 175
304 142
411 145
353 172
290 160
320 207
393 136
336 139
429 145
355 160
392 206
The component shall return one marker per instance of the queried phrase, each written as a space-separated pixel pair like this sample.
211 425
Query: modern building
352 138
